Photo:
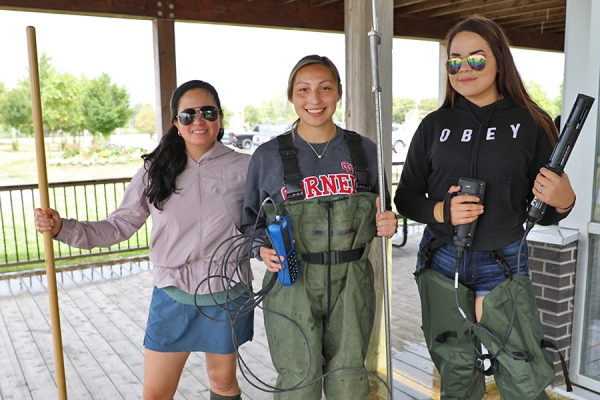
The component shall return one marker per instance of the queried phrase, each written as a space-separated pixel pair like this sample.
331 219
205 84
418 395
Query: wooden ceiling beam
328 18
404 3
528 18
297 14
422 6
407 27
235 12
319 3
131 8
555 10
461 8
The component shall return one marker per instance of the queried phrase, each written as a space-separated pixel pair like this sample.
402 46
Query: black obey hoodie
500 144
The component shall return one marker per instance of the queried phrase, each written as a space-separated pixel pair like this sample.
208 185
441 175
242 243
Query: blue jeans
477 270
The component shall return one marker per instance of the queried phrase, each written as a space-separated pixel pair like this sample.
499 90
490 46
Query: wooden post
38 128
360 117
165 72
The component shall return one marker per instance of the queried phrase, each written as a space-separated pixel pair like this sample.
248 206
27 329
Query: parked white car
264 133
401 137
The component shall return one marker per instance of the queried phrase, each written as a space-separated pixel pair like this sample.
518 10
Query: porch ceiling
537 24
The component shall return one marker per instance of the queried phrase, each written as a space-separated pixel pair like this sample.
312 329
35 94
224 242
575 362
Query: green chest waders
447 335
332 304
517 378
522 370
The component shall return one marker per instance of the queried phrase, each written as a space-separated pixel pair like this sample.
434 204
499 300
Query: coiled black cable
517 353
239 250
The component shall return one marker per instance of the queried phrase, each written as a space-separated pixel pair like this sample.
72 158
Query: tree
145 120
15 108
58 94
400 107
2 97
428 105
253 115
104 106
227 114
551 106
275 110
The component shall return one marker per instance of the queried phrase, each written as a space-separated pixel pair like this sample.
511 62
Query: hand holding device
562 151
463 234
280 234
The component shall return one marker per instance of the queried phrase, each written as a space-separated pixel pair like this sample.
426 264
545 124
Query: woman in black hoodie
487 129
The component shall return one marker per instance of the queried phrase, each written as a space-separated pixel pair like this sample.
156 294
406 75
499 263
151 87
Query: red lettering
311 188
328 183
345 183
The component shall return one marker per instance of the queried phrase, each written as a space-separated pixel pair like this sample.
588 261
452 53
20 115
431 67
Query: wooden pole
375 41
38 128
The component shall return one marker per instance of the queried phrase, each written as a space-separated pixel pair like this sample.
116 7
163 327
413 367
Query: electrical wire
517 353
240 299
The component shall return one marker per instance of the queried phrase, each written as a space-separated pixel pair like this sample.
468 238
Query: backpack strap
357 153
427 254
291 173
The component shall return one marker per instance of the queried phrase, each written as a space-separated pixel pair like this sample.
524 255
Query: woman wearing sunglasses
192 187
324 179
487 130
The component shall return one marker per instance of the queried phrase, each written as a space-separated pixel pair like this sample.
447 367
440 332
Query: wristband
439 207
569 207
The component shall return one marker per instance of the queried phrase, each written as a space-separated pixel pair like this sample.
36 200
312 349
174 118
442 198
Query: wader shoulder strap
291 173
427 255
357 153
548 344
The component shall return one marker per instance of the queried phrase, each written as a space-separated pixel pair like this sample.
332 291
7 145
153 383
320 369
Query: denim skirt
477 270
177 327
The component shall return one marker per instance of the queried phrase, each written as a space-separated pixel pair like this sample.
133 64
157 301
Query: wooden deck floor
103 317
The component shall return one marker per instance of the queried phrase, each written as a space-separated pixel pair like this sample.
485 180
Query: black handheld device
463 234
280 234
562 150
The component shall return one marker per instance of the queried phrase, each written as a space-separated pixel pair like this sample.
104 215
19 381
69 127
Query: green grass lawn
20 241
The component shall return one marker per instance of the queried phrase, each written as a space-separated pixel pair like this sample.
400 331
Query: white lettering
515 130
445 135
491 133
466 137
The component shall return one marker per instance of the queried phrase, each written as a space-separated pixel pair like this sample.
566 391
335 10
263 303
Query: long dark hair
168 159
508 80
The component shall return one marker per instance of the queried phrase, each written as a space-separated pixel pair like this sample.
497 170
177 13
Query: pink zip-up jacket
206 211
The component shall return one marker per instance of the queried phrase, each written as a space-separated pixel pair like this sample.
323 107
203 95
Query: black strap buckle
495 254
362 179
480 364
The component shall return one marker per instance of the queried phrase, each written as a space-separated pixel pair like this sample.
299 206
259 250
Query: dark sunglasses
187 116
475 61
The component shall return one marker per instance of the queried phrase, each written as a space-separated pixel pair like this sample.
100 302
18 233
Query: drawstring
478 138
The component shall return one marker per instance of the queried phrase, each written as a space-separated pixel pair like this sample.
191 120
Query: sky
246 65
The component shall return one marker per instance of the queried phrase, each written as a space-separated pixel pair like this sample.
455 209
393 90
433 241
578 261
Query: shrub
71 150
101 151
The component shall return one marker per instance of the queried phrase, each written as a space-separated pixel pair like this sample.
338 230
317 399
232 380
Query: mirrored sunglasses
475 61
187 116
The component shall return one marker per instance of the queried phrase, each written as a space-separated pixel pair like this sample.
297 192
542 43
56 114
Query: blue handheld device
280 233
